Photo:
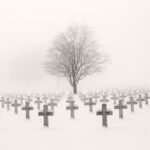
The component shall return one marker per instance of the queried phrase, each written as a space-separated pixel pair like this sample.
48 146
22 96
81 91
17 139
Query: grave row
134 97
118 99
24 101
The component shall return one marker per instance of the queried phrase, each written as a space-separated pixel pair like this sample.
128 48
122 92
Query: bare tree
74 55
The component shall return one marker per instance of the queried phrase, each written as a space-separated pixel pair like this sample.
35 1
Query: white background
27 28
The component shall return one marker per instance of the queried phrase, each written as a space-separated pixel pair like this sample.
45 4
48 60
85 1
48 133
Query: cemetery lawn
85 132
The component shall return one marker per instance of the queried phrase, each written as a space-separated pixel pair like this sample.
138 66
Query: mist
28 27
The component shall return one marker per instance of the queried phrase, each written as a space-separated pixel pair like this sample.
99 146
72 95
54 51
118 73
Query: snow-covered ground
84 132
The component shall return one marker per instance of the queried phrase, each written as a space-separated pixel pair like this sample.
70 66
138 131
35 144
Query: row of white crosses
17 101
118 97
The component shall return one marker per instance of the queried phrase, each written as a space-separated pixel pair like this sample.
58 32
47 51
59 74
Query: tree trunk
75 88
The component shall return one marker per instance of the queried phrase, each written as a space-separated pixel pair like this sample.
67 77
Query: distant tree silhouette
74 55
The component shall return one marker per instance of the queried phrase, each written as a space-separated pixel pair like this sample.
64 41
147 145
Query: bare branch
74 55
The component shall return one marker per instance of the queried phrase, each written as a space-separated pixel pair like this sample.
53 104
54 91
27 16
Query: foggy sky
27 28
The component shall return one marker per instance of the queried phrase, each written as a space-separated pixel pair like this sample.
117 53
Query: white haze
27 28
